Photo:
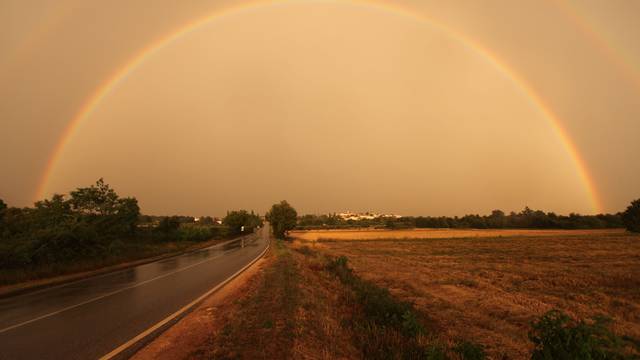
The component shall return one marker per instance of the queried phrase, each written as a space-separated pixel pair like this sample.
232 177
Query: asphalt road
89 318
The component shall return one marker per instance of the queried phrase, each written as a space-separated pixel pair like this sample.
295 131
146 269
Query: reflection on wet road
91 317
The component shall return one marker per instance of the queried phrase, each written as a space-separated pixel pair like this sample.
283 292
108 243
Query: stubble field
488 285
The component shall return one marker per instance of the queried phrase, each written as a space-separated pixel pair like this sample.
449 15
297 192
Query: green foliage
100 206
61 230
390 329
283 218
526 219
235 220
556 336
206 220
195 233
168 225
3 207
98 199
90 226
631 216
434 352
469 351
378 304
3 210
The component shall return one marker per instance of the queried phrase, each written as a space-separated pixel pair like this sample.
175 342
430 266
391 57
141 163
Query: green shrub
388 328
434 352
306 251
194 233
557 336
168 224
116 247
377 303
469 351
61 245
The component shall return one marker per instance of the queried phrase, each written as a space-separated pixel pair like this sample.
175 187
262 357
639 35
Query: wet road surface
89 318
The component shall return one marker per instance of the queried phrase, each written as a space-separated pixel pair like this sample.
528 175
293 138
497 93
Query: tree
168 224
206 220
631 216
54 212
3 208
127 215
283 218
236 219
98 199
100 206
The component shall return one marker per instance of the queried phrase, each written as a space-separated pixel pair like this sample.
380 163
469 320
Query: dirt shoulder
186 338
282 307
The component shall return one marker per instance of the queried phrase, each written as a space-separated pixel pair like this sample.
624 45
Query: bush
378 304
556 336
469 351
194 233
61 245
388 328
168 224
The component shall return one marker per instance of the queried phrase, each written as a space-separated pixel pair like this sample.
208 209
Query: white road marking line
108 273
106 295
155 327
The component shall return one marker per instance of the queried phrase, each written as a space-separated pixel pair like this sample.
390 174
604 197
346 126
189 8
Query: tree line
94 223
525 219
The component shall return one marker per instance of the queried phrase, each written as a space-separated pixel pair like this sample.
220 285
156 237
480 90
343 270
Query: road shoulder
186 338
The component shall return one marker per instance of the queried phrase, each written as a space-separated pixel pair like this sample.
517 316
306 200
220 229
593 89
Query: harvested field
489 289
366 234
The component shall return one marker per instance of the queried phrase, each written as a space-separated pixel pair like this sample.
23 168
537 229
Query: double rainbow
109 84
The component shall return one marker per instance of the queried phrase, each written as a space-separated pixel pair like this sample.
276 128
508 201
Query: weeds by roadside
558 336
387 328
265 321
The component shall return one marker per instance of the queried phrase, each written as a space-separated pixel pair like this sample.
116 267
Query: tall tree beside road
283 218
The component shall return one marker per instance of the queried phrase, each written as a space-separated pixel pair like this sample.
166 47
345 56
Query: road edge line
156 329
90 274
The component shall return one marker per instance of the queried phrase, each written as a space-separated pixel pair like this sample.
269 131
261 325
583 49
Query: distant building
364 216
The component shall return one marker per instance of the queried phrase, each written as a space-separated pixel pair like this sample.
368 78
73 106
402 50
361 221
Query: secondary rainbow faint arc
611 53
120 73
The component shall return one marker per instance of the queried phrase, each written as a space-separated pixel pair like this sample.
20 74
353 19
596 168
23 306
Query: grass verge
264 322
309 306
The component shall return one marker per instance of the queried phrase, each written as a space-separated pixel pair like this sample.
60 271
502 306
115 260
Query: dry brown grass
289 309
367 234
488 290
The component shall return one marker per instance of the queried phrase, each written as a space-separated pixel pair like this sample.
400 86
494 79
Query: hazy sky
438 109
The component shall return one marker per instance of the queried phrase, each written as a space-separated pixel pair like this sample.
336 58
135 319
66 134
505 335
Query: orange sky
439 108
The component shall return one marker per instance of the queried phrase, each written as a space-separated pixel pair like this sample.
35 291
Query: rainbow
117 76
614 55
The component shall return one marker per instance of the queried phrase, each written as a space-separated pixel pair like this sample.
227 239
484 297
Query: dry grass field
487 286
370 234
